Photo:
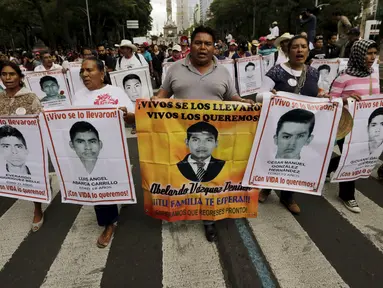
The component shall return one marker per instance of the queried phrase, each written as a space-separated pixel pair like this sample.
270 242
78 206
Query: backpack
135 54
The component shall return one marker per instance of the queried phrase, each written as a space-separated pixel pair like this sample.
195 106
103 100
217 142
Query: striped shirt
346 85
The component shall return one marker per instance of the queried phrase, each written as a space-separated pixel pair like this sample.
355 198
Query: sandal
37 226
105 237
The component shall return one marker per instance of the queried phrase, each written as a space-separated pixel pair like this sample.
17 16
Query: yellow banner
193 155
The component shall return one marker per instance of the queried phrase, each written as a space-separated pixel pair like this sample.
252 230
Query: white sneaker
352 205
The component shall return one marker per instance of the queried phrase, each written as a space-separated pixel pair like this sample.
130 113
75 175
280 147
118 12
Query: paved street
326 246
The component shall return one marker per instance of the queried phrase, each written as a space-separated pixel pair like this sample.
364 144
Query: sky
159 15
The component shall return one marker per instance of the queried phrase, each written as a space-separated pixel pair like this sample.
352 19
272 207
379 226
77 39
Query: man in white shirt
130 59
47 63
228 37
274 29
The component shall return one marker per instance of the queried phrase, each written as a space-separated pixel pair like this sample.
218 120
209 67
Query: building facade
182 15
205 9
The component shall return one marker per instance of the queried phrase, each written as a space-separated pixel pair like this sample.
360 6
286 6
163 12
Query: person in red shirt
185 46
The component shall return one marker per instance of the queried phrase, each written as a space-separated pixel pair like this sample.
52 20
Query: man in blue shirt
147 56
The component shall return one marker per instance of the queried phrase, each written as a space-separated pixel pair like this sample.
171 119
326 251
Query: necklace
300 82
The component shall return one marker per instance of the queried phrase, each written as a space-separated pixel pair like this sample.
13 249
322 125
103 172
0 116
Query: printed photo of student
375 132
324 77
250 79
85 141
133 86
199 165
294 131
50 86
14 150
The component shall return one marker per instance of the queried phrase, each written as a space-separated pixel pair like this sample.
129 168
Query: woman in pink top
355 81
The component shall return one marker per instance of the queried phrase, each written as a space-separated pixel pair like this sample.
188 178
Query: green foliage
237 16
64 22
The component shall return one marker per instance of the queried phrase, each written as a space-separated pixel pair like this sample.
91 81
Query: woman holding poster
18 100
294 77
97 92
356 81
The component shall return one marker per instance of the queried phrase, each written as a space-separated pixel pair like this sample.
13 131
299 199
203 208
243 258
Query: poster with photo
165 67
342 64
328 70
229 65
51 87
196 172
293 144
90 155
23 160
73 74
364 144
249 74
268 62
136 82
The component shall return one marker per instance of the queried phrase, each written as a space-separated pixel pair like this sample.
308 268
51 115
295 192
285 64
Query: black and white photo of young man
50 86
14 150
199 165
294 131
85 141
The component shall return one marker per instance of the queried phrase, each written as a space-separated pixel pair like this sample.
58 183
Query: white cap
177 48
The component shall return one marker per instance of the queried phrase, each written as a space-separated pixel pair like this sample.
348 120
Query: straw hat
345 124
127 43
255 43
283 37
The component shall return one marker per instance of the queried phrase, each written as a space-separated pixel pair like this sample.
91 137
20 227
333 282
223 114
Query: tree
64 22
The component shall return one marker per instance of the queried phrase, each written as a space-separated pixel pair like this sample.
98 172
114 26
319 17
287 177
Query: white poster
229 65
23 160
74 78
293 144
342 64
135 82
268 62
328 70
364 144
90 155
249 74
165 67
51 87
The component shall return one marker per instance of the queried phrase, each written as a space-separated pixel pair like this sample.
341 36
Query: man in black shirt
318 52
109 61
332 50
353 36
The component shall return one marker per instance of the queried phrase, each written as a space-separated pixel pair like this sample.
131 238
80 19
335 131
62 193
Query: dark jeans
158 76
346 189
106 214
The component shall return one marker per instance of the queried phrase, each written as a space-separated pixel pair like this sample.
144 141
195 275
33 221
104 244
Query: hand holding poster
229 65
135 82
23 160
249 74
293 143
90 155
328 70
364 144
51 88
193 155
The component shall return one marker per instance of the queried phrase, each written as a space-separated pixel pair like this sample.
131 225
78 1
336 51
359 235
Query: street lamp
90 29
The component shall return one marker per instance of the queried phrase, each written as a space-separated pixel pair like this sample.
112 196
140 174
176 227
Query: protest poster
165 67
229 65
75 81
249 74
90 155
24 170
364 144
135 82
51 87
293 144
193 155
268 62
342 64
328 70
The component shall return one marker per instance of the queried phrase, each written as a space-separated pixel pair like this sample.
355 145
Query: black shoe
211 233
